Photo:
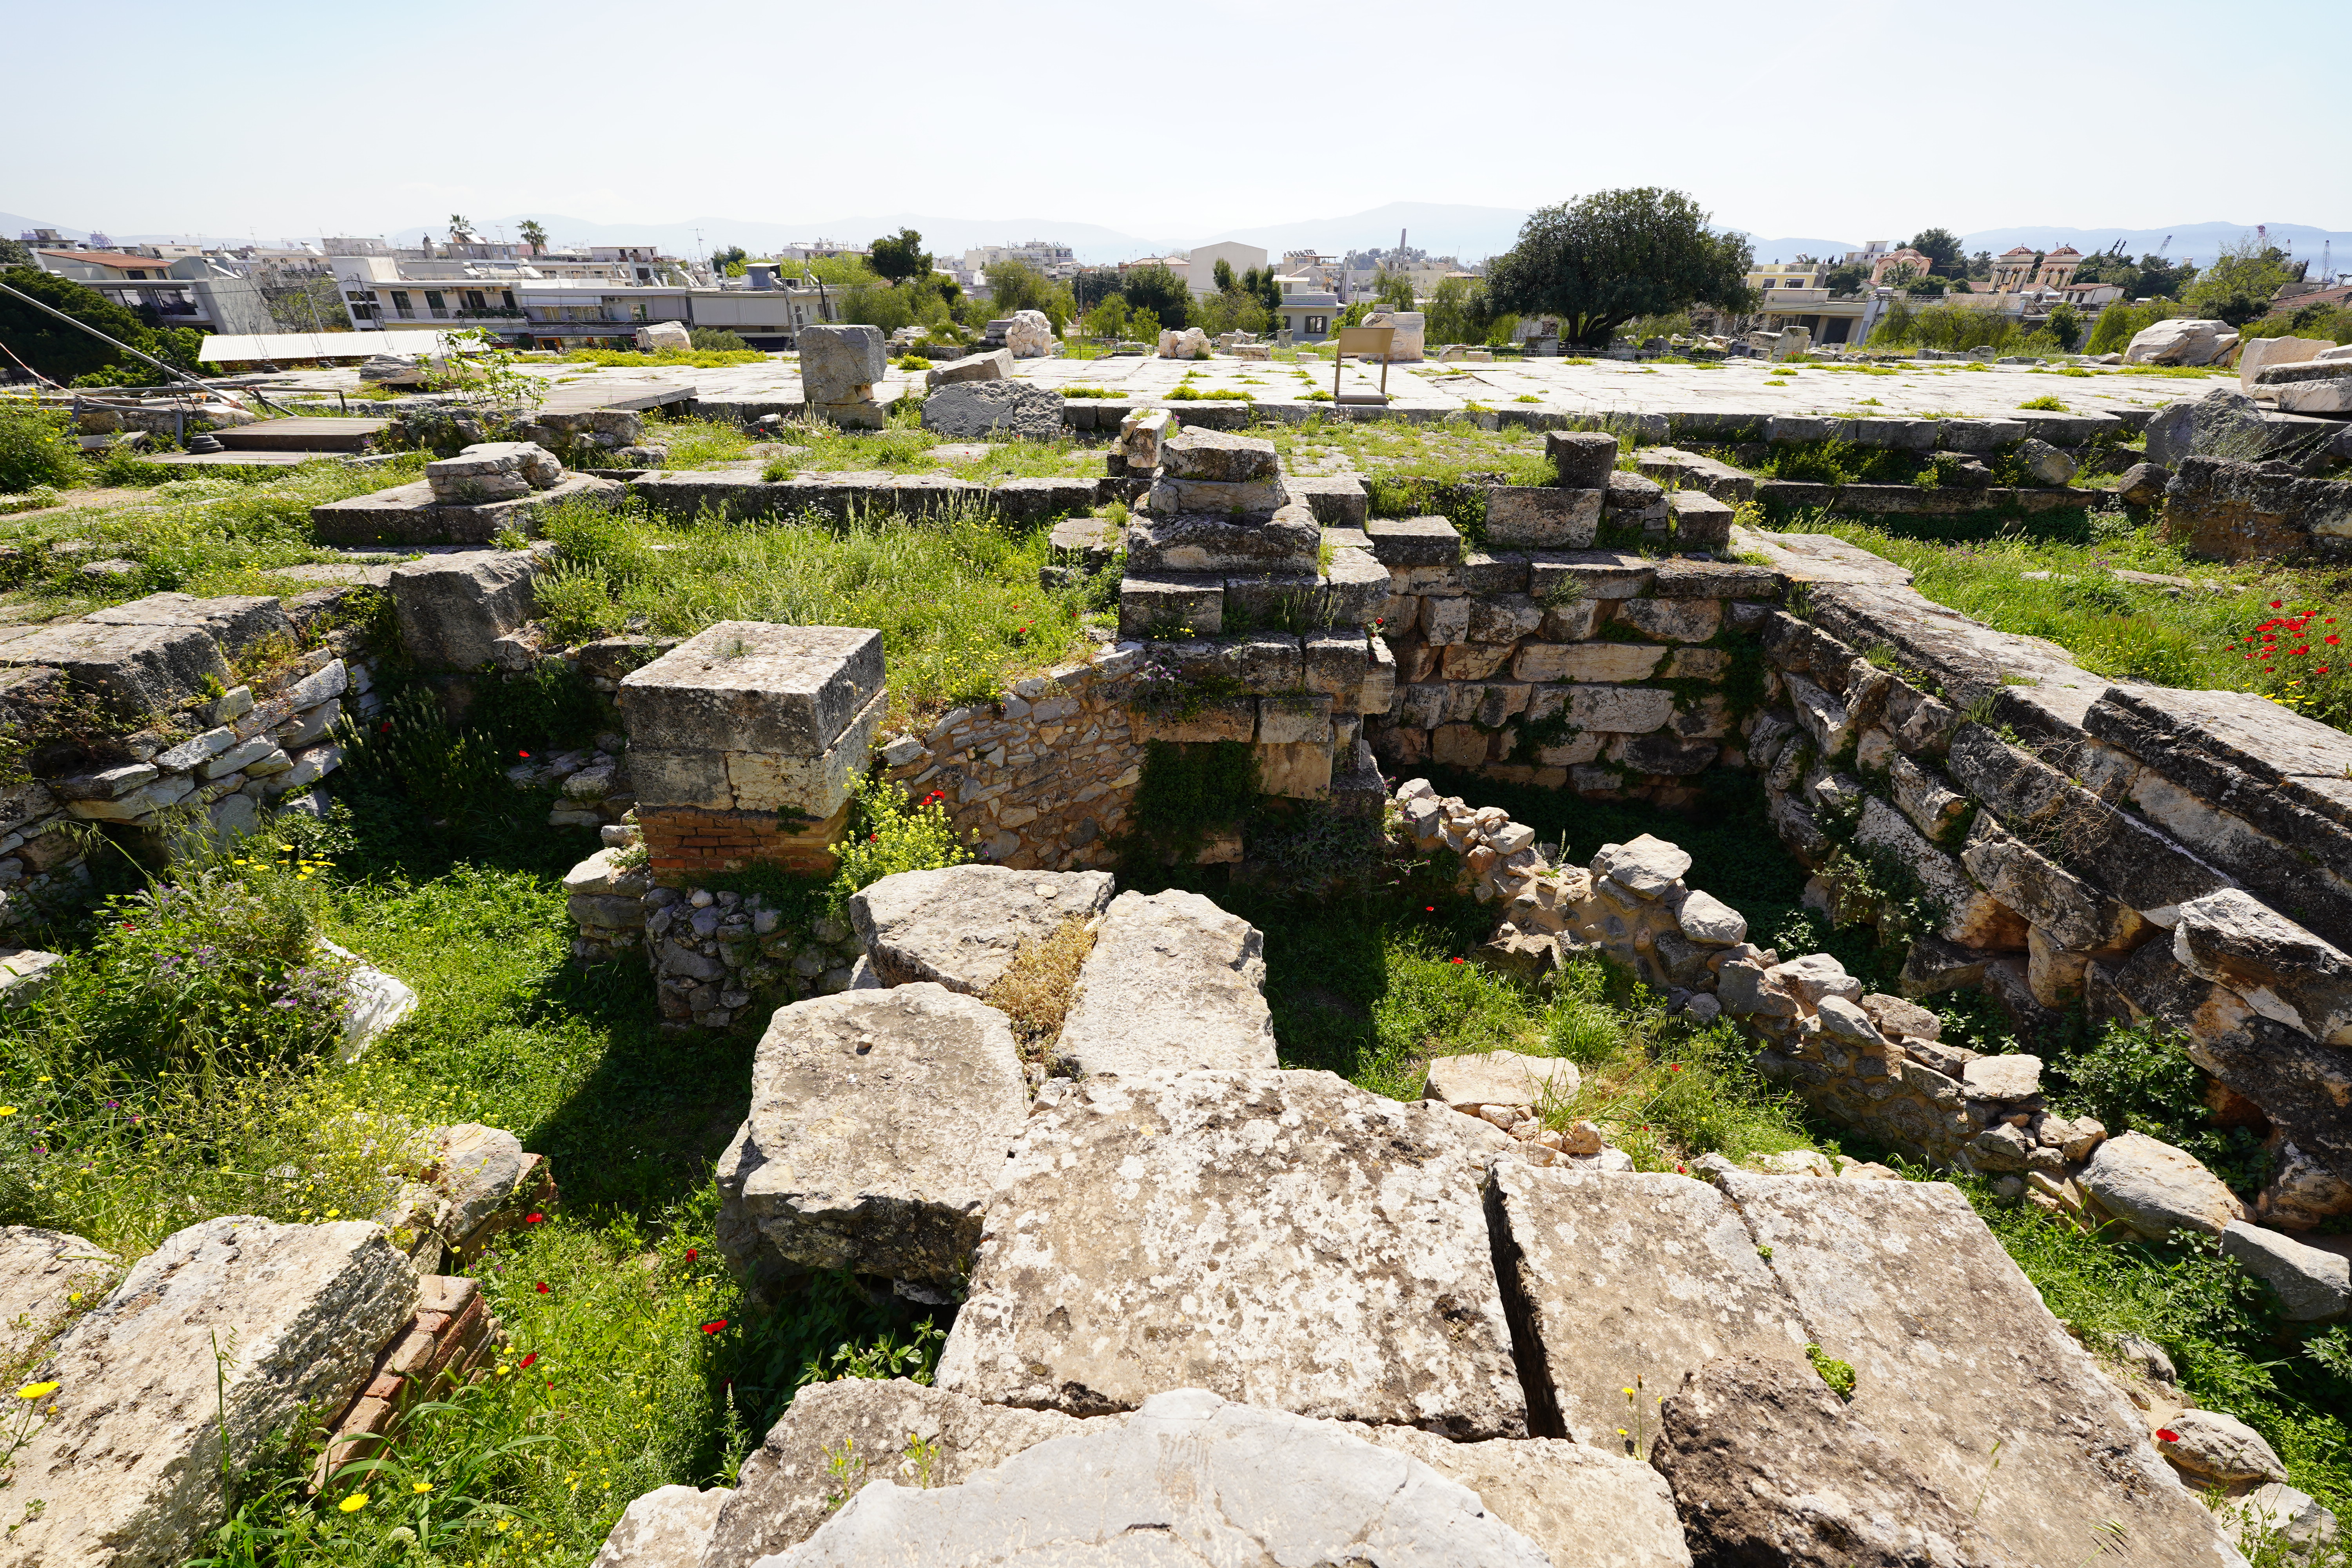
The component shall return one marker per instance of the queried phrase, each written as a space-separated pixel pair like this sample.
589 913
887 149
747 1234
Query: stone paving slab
1282 1238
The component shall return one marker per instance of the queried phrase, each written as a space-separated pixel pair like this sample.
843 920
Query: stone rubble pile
492 470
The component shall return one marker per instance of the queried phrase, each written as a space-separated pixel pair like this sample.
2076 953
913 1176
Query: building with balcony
186 290
1309 309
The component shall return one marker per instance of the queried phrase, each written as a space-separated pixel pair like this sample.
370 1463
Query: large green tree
900 256
63 353
1942 249
1615 256
2239 285
1159 290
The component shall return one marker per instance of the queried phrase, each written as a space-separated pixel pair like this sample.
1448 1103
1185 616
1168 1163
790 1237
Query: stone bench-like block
757 781
753 685
1287 541
1162 602
1279 1237
1414 541
135 669
879 1122
962 926
1542 516
1174 984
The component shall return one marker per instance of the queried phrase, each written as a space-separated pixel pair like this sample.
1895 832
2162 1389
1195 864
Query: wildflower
37 1390
691 1255
2274 603
420 1488
713 1326
2166 1435
525 1361
354 1503
533 1218
1456 960
1674 1067
7 1111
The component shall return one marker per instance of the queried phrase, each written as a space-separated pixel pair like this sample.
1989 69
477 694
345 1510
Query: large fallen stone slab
666 1528
2156 1189
227 1330
134 669
993 411
879 1119
1768 1465
1187 1479
2313 1283
1580 1505
1174 984
1284 1238
961 926
1501 1077
1629 1280
835 1437
40 1273
452 609
1952 1350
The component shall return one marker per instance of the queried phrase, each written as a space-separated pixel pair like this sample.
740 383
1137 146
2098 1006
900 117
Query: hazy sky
1175 119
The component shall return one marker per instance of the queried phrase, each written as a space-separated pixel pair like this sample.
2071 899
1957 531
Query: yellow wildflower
420 1488
354 1503
37 1390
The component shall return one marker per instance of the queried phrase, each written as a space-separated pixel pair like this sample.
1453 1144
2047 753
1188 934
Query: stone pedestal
839 367
745 741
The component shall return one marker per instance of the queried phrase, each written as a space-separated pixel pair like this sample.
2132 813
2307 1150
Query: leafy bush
36 446
887 833
1186 792
717 340
2139 1080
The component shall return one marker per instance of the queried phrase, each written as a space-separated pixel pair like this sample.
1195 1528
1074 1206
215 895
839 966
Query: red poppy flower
1429 908
2274 603
533 1218
691 1255
714 1325
1456 961
1674 1067
529 1359
2166 1435
385 725
543 1287
524 754
2331 639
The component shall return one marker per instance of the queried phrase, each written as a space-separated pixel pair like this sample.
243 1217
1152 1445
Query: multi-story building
194 290
1050 257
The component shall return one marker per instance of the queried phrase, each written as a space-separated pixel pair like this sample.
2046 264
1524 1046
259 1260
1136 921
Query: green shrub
36 446
717 340
889 833
2140 1079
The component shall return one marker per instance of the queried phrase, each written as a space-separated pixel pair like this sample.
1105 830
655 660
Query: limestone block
2176 340
1607 1268
2215 1447
961 926
2294 1516
2326 399
1503 617
452 609
993 411
1029 334
1577 1503
1708 920
1815 977
236 622
841 364
1285 720
790 1485
1158 541
1588 662
2312 1285
1585 458
1501 1077
1951 1346
669 1526
1542 516
654 337
1201 1480
1972 917
1140 435
1217 456
1414 541
1174 984
2014 1076
1768 1465
1673 620
225 1330
1934 807
1648 867
1355 589
1169 496
815 787
1283 1238
879 1119
2259 353
1701 522
134 669
2282 971
2156 1189
754 686
1163 604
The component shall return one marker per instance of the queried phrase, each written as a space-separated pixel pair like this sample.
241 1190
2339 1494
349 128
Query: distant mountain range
1438 228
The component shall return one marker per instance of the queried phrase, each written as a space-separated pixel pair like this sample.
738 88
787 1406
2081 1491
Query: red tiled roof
108 258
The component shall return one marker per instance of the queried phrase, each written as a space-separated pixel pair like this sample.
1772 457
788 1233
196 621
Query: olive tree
1616 256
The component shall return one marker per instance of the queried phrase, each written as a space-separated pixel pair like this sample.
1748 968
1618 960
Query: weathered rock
2043 463
1585 458
1282 1236
1210 542
961 926
2292 1519
1708 920
1952 1348
2312 1284
2215 1445
904 1432
2282 971
1645 867
223 1332
1188 1479
2143 484
2177 341
1544 517
452 609
1578 1504
994 366
993 411
1217 456
841 364
1501 1077
1607 1269
2157 1189
754 687
40 1273
134 669
1769 1466
2224 422
879 1119
666 1528
657 336
1029 334
2016 1076
1174 984
478 1170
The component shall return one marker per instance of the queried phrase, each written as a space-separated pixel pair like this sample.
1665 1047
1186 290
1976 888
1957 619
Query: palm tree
461 229
534 234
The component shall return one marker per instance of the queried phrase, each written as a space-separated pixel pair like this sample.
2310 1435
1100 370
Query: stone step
306 435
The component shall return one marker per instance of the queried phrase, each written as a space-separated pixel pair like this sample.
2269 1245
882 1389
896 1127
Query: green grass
699 443
955 597
824 448
700 359
2196 640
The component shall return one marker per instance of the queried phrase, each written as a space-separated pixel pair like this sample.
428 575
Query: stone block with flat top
754 686
1414 541
1542 516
